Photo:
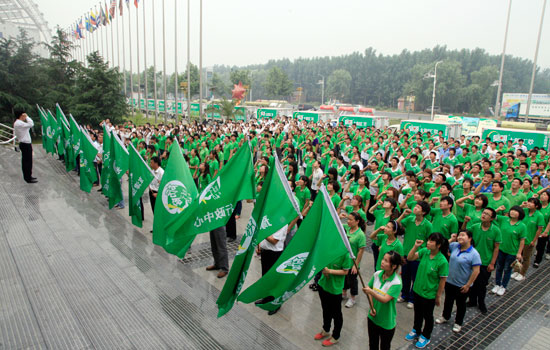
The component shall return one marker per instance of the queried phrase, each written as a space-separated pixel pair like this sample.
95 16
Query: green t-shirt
382 242
511 234
336 200
517 199
364 192
546 213
414 232
194 162
204 181
380 219
385 312
495 204
484 241
334 284
302 196
361 212
473 213
214 165
356 239
430 270
446 225
532 223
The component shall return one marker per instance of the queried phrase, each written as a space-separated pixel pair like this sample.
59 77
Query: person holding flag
383 289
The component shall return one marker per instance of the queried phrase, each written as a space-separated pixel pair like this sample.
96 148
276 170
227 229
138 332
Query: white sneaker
514 275
400 300
410 306
501 291
457 328
519 277
495 289
350 303
547 256
440 320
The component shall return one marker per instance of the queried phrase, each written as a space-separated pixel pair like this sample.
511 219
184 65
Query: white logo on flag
212 191
249 233
265 223
175 197
293 265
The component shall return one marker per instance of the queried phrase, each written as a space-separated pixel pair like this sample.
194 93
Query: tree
218 86
338 85
98 94
242 75
227 108
278 83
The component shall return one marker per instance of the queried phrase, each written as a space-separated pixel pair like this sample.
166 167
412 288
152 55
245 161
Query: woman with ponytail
358 241
429 284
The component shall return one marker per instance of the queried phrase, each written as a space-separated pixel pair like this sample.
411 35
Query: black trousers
218 244
351 283
153 200
332 310
541 244
375 253
479 289
423 313
452 294
269 257
26 160
379 338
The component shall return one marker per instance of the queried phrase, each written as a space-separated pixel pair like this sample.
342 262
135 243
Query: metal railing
6 135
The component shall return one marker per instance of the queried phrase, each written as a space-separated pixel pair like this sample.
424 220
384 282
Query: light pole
534 64
322 83
497 104
433 93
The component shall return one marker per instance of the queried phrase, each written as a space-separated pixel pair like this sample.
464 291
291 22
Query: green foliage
240 75
217 86
98 93
339 84
227 109
278 84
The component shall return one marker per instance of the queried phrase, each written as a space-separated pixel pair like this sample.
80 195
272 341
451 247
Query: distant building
24 14
406 103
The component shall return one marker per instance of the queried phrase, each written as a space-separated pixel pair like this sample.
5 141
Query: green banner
359 121
423 127
531 139
307 116
266 113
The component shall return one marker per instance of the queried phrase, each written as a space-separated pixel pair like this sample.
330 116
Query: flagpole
130 57
155 66
189 61
117 40
176 59
534 73
123 54
164 60
200 63
137 58
97 35
112 38
106 40
146 97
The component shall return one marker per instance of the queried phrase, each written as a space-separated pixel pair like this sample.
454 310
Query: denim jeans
504 270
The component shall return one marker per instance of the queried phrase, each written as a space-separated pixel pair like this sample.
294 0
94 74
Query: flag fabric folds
139 179
217 201
106 168
51 133
45 124
74 142
275 208
88 152
118 166
177 194
320 240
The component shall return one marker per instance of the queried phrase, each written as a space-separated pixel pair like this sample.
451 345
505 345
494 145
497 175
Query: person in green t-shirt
513 240
383 290
416 227
330 289
487 239
443 221
358 241
386 239
433 270
204 176
534 222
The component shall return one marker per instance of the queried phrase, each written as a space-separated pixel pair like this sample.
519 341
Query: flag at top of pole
120 7
136 3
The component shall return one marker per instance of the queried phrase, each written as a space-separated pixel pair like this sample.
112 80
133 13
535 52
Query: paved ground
74 275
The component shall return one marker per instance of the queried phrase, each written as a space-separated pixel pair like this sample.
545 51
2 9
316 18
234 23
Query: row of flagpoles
181 212
90 34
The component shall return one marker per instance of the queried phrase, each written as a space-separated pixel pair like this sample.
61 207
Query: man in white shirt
154 186
21 129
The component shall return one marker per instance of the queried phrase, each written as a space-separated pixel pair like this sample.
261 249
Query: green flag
106 168
177 194
59 132
140 177
234 182
45 124
51 133
88 152
65 135
118 156
275 207
320 240
74 142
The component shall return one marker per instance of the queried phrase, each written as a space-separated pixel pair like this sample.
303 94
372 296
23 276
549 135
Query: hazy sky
241 32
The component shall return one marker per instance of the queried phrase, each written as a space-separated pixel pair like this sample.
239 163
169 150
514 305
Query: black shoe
273 312
264 300
100 189
33 178
231 239
483 309
32 181
314 287
536 265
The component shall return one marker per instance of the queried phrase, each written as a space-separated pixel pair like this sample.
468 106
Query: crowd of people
445 212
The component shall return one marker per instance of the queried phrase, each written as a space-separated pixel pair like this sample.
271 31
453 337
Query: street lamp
435 81
503 56
322 83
